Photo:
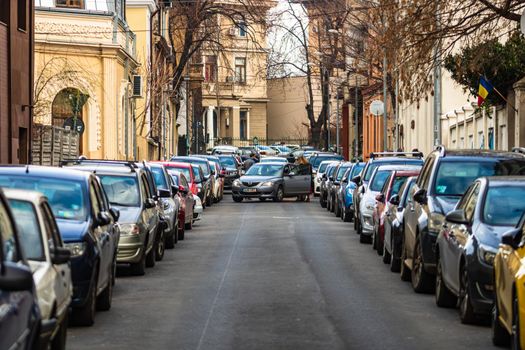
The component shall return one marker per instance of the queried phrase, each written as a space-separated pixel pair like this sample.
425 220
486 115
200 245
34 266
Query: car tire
209 201
322 201
262 199
160 247
332 205
337 210
279 194
85 315
171 239
237 199
404 272
379 246
150 257
59 341
395 263
515 336
387 257
104 298
500 336
422 281
188 226
444 297
139 268
374 239
180 231
466 310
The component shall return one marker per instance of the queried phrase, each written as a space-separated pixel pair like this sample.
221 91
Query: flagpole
504 99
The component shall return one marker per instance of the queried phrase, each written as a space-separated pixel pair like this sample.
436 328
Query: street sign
255 141
75 124
377 108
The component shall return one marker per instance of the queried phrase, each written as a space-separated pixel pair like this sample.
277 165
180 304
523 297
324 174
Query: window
121 190
243 29
77 4
8 236
240 70
210 69
28 229
4 11
244 125
22 14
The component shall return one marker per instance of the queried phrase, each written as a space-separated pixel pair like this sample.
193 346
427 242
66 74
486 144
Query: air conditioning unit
230 79
137 86
233 31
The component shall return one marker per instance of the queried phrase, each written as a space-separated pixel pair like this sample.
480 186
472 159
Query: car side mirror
356 179
115 212
60 255
457 217
395 200
182 190
103 219
380 198
512 238
324 177
174 189
164 193
16 278
420 196
363 190
149 203
331 178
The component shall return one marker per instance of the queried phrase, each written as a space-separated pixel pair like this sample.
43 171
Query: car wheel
374 239
466 311
422 281
209 201
515 339
104 299
322 201
159 252
171 238
139 268
500 336
379 245
150 257
237 199
328 203
332 205
444 297
262 199
395 263
85 316
188 226
404 271
337 210
279 194
180 232
386 255
59 341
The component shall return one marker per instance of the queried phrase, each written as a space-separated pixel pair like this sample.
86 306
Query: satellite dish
522 23
377 108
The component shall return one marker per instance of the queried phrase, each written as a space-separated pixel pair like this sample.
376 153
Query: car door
62 285
150 214
304 178
188 200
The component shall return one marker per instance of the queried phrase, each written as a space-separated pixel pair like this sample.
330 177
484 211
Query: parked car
20 316
218 183
346 192
167 194
208 179
274 160
187 170
49 261
377 159
333 190
187 200
224 149
232 169
391 188
127 188
88 226
468 242
318 176
326 180
265 150
317 158
273 181
443 180
394 224
508 314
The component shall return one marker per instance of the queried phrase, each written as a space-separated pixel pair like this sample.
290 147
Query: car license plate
250 190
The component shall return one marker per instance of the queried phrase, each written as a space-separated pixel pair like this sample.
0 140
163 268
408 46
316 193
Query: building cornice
142 3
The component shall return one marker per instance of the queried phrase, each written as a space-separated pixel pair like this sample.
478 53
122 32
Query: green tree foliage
502 64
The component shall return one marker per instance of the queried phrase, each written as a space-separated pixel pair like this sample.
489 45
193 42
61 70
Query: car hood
128 214
258 178
444 204
72 231
491 235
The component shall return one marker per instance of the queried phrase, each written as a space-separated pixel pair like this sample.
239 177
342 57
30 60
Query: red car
187 203
187 170
392 185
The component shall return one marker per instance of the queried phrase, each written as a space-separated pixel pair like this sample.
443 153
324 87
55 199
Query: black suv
445 176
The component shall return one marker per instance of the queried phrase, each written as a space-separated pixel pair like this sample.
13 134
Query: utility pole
385 102
397 145
187 80
356 120
337 122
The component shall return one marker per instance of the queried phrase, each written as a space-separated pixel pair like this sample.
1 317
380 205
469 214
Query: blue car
20 315
88 228
346 192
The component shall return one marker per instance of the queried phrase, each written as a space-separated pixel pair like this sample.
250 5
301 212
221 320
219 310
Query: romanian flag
485 88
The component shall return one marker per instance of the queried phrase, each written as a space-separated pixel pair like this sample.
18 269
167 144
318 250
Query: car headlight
237 183
435 222
487 254
266 184
76 248
370 205
130 229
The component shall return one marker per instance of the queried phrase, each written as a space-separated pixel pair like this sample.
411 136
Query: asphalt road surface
273 276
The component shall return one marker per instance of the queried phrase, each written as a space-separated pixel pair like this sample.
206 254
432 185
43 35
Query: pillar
110 112
209 127
235 122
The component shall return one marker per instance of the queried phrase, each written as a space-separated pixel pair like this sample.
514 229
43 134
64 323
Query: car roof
193 159
24 195
45 171
405 173
395 159
504 180
392 167
176 164
270 163
478 153
105 169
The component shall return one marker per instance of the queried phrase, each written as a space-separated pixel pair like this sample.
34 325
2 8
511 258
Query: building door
244 125
68 103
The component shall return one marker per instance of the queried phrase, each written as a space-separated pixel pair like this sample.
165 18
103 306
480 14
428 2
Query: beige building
84 65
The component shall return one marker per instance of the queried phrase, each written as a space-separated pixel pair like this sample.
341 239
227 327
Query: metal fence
259 141
51 144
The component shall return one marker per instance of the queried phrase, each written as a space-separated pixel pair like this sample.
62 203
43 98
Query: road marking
235 243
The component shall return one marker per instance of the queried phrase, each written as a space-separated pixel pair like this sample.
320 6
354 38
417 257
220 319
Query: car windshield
28 229
399 181
198 173
175 179
185 171
271 160
503 205
228 162
158 176
372 166
453 178
203 163
316 160
121 190
66 197
330 171
341 172
265 170
356 170
379 180
322 167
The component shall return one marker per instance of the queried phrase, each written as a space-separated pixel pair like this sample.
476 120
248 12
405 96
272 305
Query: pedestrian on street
249 162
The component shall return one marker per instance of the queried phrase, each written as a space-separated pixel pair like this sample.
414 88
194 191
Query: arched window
68 102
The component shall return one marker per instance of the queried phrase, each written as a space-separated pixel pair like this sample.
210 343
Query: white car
274 160
197 209
319 175
225 149
49 262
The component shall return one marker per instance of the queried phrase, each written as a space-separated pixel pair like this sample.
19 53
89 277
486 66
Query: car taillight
181 188
194 189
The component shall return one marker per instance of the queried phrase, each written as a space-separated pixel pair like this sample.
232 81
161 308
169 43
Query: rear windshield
203 163
185 171
379 180
228 162
322 167
371 167
399 181
121 190
330 171
504 205
356 170
160 180
453 178
316 160
341 172
28 229
197 171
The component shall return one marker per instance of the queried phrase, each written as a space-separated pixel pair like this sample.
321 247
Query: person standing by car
249 162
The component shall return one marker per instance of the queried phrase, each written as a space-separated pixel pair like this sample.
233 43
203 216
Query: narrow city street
273 276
